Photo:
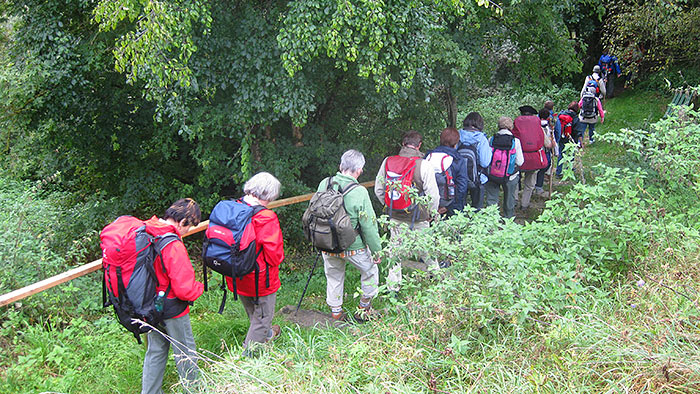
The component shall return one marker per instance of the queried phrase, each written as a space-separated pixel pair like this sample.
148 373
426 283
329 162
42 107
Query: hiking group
150 281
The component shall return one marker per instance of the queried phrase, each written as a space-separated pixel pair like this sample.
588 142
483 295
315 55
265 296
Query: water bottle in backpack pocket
503 160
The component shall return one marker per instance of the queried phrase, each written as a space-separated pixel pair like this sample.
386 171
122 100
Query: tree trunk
296 132
451 107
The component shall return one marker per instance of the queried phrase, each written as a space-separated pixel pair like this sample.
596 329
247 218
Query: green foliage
161 44
669 146
654 35
492 104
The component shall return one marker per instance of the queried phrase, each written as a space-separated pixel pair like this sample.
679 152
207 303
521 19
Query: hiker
595 83
261 189
179 284
610 71
591 108
567 130
550 144
473 143
533 141
450 172
363 252
549 106
407 168
503 171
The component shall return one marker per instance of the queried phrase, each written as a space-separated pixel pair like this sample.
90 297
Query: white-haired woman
260 190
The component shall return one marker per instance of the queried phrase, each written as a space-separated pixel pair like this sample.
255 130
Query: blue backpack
229 244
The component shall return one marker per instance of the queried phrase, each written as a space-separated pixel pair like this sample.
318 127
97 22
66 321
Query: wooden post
53 281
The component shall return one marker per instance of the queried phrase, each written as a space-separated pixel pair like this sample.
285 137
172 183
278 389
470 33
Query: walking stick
551 176
307 282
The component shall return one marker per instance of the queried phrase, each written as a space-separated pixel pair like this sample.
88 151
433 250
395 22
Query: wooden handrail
56 280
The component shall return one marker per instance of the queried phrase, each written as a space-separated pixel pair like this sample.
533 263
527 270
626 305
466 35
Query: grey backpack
326 223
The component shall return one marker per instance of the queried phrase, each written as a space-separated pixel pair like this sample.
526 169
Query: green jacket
358 206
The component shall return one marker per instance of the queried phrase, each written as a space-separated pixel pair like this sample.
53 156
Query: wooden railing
53 281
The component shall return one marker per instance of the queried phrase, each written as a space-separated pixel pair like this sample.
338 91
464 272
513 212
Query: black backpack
471 156
589 109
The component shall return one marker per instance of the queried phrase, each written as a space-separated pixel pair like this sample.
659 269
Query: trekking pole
307 282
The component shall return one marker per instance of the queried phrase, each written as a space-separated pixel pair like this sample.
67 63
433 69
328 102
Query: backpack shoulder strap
416 173
330 182
349 187
161 241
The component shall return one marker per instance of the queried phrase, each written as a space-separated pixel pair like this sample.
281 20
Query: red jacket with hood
179 273
268 235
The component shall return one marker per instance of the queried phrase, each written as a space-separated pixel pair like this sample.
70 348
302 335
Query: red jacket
268 235
179 273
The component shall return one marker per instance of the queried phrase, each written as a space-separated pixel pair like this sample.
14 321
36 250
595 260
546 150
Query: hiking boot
340 316
275 331
444 264
363 315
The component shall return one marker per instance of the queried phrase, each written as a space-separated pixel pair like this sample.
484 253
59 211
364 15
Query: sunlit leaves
161 44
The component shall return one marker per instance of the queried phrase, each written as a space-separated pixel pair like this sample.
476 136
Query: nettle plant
670 146
504 270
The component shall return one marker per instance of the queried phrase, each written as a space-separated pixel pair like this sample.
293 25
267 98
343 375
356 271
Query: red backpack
128 257
399 179
528 130
566 125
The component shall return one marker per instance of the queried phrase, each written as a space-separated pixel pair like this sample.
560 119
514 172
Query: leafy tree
651 36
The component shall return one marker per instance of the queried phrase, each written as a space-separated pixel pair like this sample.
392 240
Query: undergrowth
596 295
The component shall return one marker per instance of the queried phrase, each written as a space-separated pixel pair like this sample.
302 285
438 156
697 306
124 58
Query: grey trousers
529 180
260 317
510 188
179 332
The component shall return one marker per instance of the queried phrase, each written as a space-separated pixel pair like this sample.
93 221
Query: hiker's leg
529 179
491 193
480 197
184 350
541 173
510 188
591 131
154 363
393 276
335 280
260 316
369 273
560 163
430 261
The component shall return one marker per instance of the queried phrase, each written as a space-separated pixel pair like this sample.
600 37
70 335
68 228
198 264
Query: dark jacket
459 172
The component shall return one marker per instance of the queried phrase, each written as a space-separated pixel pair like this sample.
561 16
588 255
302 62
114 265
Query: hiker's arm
379 182
430 188
269 235
368 221
461 184
485 152
181 273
